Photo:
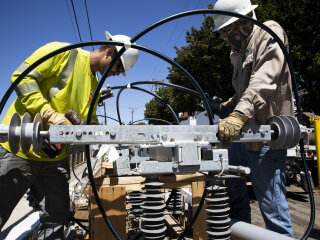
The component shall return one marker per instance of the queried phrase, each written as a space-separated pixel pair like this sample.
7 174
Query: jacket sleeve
28 90
267 67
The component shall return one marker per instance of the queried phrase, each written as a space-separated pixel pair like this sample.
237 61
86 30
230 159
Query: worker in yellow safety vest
63 82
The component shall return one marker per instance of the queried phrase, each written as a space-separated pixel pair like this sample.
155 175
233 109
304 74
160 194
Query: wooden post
200 226
114 202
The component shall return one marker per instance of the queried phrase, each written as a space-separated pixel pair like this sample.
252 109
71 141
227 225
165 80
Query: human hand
229 127
52 117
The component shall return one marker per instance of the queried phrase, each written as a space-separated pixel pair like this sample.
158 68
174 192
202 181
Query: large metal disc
279 134
14 133
37 127
25 138
289 132
296 131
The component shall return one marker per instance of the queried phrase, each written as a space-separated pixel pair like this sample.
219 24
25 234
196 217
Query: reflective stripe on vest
27 88
34 73
31 86
64 76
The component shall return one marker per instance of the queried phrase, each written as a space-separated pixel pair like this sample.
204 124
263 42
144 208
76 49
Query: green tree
300 20
206 57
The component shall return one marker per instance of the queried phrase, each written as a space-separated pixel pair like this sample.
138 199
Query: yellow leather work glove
52 117
229 127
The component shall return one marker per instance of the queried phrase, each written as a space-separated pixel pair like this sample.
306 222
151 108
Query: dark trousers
49 191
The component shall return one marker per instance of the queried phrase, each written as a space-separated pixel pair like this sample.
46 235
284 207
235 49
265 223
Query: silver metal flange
297 131
286 132
36 138
14 133
26 130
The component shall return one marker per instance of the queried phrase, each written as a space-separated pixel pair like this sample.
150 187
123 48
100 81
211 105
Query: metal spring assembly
175 202
134 199
153 224
218 213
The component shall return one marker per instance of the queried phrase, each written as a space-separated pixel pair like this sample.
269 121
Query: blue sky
27 25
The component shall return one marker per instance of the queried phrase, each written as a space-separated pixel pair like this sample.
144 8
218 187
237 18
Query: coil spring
134 199
175 203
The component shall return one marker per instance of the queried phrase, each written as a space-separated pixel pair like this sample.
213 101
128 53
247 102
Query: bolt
262 133
112 133
78 134
164 137
174 166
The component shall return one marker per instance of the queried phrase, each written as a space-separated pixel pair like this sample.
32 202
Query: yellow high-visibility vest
62 82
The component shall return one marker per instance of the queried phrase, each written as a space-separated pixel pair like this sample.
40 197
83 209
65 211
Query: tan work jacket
261 77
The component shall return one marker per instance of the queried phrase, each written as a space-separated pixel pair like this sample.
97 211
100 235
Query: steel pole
245 231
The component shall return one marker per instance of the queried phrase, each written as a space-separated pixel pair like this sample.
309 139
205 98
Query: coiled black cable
152 119
189 77
151 93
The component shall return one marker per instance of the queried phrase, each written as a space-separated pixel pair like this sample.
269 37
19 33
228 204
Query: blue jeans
268 182
49 191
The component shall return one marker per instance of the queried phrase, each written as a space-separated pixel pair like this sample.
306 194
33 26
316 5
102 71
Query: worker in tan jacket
262 85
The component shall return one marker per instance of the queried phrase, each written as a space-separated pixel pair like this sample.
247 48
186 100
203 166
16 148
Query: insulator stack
153 224
175 202
22 133
134 199
218 213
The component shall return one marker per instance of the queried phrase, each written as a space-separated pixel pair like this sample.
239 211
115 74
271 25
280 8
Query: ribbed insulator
218 213
153 224
175 205
135 199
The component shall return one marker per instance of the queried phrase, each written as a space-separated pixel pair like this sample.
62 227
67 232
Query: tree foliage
300 21
206 57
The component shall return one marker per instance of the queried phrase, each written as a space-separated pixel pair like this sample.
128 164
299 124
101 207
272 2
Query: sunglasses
226 29
120 68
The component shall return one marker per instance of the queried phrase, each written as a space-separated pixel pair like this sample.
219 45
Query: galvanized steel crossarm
167 135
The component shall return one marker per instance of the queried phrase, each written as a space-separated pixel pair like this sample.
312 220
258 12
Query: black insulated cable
152 119
117 56
146 91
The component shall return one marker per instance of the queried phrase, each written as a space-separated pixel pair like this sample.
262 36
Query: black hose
79 222
110 118
189 77
151 93
193 220
156 96
72 167
152 119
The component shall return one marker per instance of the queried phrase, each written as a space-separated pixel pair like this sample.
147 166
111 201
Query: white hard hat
130 56
237 6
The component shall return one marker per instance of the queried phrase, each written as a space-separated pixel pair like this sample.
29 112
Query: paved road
299 205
